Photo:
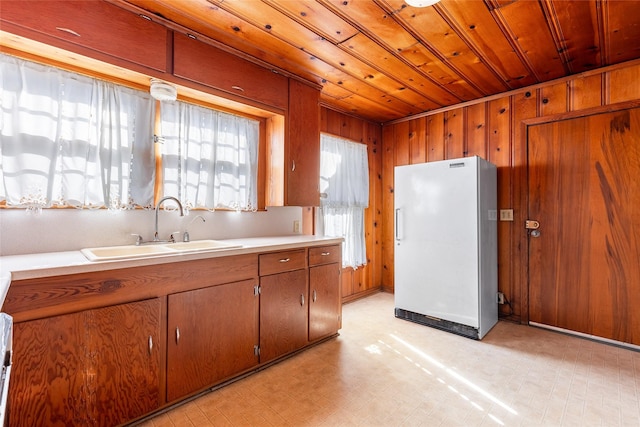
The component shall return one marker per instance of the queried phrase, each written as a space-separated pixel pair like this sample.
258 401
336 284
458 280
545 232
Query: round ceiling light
163 91
421 3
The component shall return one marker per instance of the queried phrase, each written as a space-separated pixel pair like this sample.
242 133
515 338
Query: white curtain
344 189
210 158
70 140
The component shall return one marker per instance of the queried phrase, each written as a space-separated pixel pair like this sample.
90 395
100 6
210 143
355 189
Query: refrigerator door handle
398 225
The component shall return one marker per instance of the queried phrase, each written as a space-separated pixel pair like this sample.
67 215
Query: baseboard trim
359 295
586 336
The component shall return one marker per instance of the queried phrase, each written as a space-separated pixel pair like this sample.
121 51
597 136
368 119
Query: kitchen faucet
155 236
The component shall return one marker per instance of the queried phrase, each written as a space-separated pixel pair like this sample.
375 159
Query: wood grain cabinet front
279 262
284 296
90 27
212 335
325 308
283 313
106 347
205 64
302 147
96 367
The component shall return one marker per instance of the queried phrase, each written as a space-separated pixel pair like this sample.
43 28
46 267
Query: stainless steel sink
132 251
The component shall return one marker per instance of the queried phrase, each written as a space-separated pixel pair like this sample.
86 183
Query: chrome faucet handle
139 239
172 236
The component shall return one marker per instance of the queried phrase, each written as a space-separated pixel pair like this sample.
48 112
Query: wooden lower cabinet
324 301
325 306
212 335
97 367
283 313
107 347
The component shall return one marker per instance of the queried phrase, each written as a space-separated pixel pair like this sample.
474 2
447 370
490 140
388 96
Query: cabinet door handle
177 335
301 299
150 344
293 165
315 295
285 260
326 253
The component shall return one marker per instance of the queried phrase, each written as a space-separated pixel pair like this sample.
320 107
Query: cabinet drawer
279 262
324 255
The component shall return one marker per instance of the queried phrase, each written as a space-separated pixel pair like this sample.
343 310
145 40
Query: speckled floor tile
382 371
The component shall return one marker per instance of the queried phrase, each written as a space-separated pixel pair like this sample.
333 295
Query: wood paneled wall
368 279
493 128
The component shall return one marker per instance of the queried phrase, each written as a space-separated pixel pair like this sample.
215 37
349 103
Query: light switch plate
506 214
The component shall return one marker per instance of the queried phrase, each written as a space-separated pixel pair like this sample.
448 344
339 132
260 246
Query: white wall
57 230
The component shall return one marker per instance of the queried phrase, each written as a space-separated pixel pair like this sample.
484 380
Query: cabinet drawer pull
326 253
285 260
301 299
293 165
177 335
315 295
150 344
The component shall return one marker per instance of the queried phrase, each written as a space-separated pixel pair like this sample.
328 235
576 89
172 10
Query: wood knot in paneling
621 123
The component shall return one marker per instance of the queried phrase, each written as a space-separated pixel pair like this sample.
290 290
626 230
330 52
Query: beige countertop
30 266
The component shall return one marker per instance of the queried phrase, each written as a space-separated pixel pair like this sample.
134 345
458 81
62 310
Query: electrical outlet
500 298
296 226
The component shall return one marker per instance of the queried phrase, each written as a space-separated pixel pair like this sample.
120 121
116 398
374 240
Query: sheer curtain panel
344 189
70 140
210 158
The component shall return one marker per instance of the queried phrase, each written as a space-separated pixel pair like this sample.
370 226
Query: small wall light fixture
163 91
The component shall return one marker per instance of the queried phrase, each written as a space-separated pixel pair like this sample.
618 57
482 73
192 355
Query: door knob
532 225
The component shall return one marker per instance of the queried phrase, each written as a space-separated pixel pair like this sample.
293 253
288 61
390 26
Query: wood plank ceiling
383 60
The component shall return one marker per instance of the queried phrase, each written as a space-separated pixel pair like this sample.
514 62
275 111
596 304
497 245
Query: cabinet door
49 381
95 25
89 368
212 336
302 151
324 301
125 361
283 313
206 64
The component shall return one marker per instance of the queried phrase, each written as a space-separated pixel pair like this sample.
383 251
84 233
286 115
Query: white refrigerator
445 257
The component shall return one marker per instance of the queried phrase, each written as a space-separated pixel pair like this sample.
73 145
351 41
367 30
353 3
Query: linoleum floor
383 371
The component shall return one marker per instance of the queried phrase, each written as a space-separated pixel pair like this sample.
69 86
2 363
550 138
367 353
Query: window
344 186
210 158
71 140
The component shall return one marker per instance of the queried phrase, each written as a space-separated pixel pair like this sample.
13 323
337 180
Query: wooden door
283 313
324 300
212 335
584 189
